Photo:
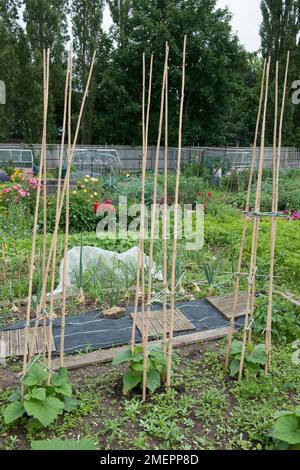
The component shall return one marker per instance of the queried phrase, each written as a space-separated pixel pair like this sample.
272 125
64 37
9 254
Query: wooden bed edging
107 355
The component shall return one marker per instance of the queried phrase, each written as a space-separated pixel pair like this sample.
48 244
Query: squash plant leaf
130 380
36 375
153 380
287 429
44 411
13 412
59 444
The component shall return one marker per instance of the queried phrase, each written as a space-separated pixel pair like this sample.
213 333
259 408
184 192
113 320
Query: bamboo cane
165 217
33 245
66 243
172 293
44 151
58 194
243 239
276 170
57 221
256 222
140 264
139 261
152 235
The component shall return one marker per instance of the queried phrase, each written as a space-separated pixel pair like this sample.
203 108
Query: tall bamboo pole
44 152
58 194
172 293
140 264
165 216
33 243
66 241
276 170
152 235
255 232
57 221
243 239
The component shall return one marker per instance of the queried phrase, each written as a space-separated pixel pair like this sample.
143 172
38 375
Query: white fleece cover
101 261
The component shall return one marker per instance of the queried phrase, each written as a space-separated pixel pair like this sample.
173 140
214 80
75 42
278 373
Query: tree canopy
222 78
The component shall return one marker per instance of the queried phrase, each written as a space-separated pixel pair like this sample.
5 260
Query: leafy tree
46 27
87 17
9 70
279 34
218 71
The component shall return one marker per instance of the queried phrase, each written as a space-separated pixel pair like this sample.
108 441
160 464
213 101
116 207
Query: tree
87 16
279 34
9 69
217 72
45 27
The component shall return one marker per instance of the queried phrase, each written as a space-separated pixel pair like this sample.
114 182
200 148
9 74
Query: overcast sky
246 20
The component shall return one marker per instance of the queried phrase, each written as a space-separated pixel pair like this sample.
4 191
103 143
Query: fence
131 157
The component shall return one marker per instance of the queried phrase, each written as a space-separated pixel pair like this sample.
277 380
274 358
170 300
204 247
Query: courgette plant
42 403
133 376
286 432
255 358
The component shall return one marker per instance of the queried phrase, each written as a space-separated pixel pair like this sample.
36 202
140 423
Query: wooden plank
224 304
12 342
289 297
181 323
107 355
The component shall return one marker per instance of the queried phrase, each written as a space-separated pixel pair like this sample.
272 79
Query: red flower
107 206
199 194
209 195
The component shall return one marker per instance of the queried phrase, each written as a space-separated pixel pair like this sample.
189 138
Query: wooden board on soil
224 304
12 342
181 323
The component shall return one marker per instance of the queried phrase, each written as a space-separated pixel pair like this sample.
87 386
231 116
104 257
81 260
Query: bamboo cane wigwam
152 235
256 216
140 275
48 263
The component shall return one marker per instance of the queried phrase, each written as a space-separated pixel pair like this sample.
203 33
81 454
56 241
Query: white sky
245 22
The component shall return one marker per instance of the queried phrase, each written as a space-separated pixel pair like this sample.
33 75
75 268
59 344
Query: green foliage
133 376
286 432
285 319
67 444
82 217
42 402
255 358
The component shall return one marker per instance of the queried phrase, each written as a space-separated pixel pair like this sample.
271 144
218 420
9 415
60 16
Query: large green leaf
60 378
130 380
44 411
15 396
258 355
36 375
38 393
58 444
123 356
236 347
13 412
234 367
287 429
153 380
64 389
70 403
